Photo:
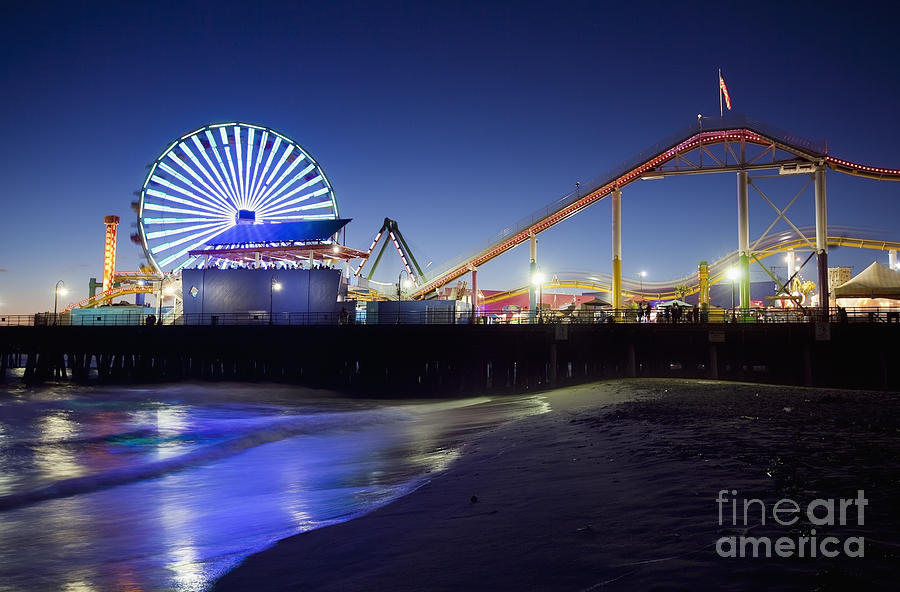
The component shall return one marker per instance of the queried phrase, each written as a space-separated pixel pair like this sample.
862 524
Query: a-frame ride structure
390 228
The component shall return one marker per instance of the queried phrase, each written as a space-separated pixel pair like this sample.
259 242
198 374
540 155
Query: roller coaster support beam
822 240
617 249
532 300
743 239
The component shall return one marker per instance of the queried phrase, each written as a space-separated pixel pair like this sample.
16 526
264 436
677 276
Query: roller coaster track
107 296
729 144
665 290
125 283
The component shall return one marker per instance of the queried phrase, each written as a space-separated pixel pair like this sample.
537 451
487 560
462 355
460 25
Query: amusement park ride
238 195
713 145
406 255
225 196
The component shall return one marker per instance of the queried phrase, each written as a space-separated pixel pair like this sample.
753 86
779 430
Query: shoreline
615 489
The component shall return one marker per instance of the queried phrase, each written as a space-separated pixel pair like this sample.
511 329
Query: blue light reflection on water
167 488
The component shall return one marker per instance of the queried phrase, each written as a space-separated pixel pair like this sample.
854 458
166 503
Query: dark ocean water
167 487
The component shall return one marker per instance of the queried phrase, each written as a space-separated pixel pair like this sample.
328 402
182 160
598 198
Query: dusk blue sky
454 118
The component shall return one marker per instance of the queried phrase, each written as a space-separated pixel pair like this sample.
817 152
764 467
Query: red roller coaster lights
862 167
597 194
694 141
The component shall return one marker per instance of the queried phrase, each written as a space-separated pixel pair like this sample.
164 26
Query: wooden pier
441 360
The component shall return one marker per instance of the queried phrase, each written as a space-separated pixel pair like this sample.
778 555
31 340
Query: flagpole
719 84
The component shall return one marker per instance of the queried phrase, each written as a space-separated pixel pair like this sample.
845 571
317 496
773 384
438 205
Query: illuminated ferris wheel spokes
222 175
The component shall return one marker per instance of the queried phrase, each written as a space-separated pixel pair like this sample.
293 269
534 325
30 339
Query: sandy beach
617 488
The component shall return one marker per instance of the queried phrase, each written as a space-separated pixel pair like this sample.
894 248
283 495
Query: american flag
724 90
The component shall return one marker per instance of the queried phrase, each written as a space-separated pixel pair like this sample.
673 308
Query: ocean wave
224 445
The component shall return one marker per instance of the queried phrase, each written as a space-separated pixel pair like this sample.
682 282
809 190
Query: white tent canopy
680 303
875 281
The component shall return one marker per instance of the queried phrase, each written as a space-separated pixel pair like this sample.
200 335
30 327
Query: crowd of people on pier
672 313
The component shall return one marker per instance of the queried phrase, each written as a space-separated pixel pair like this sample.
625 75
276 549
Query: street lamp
733 274
274 286
642 274
538 281
56 292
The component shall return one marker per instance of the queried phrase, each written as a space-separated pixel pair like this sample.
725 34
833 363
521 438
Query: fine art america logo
742 512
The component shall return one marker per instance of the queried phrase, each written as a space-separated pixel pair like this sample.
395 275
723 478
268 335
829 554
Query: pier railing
443 317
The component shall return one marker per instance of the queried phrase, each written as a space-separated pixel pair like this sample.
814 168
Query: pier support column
713 362
532 300
822 241
807 366
743 239
475 294
617 249
553 362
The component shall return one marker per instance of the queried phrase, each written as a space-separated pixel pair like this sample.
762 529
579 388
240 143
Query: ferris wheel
222 175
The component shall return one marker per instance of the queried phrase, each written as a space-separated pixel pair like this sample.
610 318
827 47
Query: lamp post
642 274
274 286
733 274
56 292
538 281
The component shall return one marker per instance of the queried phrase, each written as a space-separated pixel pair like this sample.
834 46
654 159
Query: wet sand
616 490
